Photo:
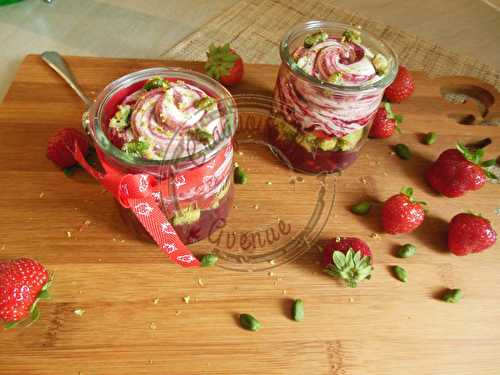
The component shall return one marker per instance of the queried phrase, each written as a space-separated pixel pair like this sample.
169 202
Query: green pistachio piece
335 77
155 83
201 135
401 274
352 35
407 250
430 138
403 151
209 260
240 176
452 296
247 321
136 148
362 208
380 64
205 103
298 310
313 39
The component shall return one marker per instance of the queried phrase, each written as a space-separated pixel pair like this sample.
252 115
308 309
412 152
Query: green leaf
491 175
339 259
35 315
10 325
44 294
357 257
408 191
488 163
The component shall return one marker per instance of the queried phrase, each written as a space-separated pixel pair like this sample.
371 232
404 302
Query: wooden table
382 327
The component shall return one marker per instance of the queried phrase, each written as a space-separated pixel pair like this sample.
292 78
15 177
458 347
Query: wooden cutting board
382 327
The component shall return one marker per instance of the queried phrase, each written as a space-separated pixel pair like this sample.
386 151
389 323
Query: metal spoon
56 62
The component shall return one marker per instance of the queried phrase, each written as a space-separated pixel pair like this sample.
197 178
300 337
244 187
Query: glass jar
195 179
318 125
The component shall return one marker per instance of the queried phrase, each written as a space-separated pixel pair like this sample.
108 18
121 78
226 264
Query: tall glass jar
195 178
327 93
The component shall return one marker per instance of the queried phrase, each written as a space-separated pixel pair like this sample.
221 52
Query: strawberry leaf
491 175
339 259
488 163
10 325
408 191
398 119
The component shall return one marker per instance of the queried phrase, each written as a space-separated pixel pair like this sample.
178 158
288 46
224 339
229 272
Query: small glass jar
195 180
321 126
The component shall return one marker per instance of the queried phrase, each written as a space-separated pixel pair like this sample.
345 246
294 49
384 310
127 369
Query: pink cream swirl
163 117
336 112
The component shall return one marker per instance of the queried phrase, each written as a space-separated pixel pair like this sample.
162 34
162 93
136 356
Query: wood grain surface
382 327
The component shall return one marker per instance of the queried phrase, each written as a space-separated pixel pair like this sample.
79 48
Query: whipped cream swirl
166 118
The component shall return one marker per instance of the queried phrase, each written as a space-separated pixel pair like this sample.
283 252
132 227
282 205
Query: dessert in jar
329 86
176 125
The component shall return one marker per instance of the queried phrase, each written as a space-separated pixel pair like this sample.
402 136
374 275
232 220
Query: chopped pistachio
335 77
201 135
136 148
121 119
155 83
205 103
313 39
380 64
352 35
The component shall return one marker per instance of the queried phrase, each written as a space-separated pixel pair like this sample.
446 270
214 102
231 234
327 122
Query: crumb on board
200 282
351 299
285 291
186 299
256 206
272 262
363 180
3 247
240 153
68 234
178 312
156 300
269 183
79 312
152 325
375 235
42 194
270 273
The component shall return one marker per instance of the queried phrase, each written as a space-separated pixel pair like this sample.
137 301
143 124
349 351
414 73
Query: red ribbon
140 193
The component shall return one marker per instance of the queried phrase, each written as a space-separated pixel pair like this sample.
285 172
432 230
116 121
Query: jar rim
95 114
317 25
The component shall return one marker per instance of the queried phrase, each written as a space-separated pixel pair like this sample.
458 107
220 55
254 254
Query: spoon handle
56 62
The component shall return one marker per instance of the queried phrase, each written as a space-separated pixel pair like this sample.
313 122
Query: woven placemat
255 28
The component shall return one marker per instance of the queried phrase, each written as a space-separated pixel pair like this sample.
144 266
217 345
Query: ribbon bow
140 193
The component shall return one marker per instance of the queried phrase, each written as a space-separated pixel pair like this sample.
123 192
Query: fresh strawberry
457 171
23 283
401 213
469 233
62 143
348 258
224 64
384 122
402 87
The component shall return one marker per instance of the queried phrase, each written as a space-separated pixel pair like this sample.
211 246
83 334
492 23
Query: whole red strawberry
469 233
457 171
384 122
401 213
62 143
402 87
224 64
23 282
348 258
